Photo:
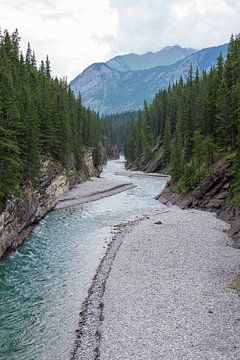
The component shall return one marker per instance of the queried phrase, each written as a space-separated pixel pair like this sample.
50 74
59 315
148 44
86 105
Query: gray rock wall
212 194
21 213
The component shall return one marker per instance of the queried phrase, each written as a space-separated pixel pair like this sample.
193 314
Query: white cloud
141 24
76 33
202 23
65 30
191 23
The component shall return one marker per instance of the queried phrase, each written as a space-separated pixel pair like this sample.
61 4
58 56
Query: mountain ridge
108 90
166 56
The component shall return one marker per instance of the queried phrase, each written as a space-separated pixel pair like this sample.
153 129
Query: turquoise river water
43 284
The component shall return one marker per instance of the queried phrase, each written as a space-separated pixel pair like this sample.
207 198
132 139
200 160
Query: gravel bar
168 292
88 334
95 189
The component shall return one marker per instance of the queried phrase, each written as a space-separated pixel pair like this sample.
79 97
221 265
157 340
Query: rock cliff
21 213
113 152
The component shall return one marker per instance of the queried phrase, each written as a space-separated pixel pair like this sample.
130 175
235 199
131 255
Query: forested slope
191 125
192 131
39 118
116 129
109 90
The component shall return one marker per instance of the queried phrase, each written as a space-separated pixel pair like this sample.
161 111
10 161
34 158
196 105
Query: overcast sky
76 33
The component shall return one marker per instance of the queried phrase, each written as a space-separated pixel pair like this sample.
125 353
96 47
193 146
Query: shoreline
138 173
93 190
89 335
84 192
224 212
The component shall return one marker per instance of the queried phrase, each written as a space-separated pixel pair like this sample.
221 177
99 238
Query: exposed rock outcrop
151 164
89 163
21 213
212 194
113 152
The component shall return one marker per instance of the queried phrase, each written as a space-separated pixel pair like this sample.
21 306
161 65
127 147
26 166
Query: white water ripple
43 284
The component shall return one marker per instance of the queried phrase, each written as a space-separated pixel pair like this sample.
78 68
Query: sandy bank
95 189
165 290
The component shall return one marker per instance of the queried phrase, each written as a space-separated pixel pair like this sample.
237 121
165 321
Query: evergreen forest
192 124
39 117
115 128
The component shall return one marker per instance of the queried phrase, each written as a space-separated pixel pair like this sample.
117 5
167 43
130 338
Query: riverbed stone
172 297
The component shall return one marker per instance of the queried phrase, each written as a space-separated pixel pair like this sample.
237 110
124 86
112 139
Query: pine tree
48 68
194 121
167 143
176 157
147 129
39 117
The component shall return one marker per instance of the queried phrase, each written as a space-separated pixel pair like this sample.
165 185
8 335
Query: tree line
39 117
115 128
192 123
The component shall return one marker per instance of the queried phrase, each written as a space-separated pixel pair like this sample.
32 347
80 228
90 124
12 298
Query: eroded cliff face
113 152
150 164
21 213
89 163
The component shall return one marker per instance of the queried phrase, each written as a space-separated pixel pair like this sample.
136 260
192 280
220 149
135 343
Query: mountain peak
115 86
166 56
97 66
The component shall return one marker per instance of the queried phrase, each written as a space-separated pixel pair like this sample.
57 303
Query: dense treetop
193 122
116 127
39 116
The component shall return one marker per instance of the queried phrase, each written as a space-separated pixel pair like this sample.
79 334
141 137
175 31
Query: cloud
150 25
76 33
202 23
64 30
140 24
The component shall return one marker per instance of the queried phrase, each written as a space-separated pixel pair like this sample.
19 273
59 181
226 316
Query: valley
107 89
119 206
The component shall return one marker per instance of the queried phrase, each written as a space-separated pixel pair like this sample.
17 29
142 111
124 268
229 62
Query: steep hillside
108 90
191 132
47 141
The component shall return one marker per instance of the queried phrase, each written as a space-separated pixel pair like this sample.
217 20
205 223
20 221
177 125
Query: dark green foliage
147 130
117 127
39 116
193 122
167 142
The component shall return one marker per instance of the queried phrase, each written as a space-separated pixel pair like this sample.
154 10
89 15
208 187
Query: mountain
108 90
167 56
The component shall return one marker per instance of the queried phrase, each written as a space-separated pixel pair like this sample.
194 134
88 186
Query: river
43 284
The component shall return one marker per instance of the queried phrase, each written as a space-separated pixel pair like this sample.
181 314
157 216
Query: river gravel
169 294
93 190
166 289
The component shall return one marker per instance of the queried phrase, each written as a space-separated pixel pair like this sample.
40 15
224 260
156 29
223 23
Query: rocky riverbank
88 335
35 201
166 289
213 194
